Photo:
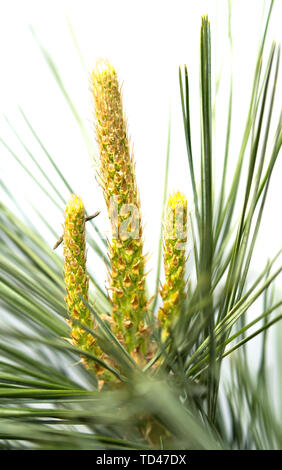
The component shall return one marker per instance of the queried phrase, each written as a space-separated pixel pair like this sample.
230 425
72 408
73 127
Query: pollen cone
175 237
117 177
76 281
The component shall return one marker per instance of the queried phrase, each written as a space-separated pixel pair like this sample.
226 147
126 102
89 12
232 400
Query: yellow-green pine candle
77 281
175 237
117 177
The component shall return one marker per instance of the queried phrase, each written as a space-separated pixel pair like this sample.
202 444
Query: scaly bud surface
175 237
117 178
77 281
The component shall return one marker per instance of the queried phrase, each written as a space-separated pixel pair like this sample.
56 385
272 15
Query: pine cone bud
77 281
118 181
175 237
